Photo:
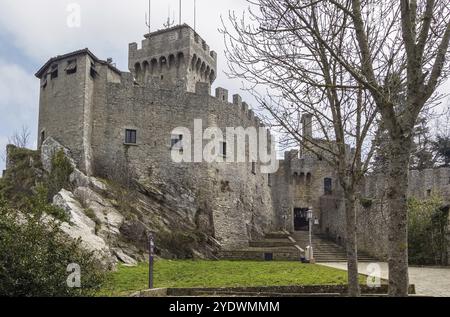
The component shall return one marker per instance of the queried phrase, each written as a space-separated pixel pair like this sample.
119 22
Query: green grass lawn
180 273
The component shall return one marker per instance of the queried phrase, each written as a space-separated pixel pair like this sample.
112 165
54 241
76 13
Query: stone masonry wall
237 203
372 218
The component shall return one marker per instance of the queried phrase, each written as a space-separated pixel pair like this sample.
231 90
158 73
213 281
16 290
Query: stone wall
372 217
234 202
299 183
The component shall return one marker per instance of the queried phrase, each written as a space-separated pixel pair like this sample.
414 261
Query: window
223 149
93 70
42 137
328 186
71 67
54 72
130 136
269 180
254 168
44 82
429 193
176 142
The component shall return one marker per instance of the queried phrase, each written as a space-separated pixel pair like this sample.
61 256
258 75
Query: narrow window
176 142
54 72
71 67
44 82
254 168
223 149
130 136
269 180
93 70
42 137
429 193
328 186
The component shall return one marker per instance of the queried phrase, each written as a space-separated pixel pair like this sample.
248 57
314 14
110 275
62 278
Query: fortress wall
300 184
237 201
373 218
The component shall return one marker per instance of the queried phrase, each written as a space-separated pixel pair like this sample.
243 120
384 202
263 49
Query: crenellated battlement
173 54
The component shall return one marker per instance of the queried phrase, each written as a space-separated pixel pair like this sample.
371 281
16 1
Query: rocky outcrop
93 219
114 222
81 226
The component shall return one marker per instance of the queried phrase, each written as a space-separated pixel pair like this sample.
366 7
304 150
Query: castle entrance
301 219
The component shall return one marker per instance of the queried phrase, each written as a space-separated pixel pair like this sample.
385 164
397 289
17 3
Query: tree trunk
351 244
398 216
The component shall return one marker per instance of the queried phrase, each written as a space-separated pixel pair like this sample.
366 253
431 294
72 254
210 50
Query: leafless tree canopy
20 138
350 63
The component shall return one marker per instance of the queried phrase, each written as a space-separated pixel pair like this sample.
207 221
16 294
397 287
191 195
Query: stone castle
116 122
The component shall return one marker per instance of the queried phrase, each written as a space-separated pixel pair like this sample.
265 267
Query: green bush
21 177
427 225
180 243
35 254
59 177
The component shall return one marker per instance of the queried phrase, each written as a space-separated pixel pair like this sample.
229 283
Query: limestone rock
110 219
81 227
124 258
48 150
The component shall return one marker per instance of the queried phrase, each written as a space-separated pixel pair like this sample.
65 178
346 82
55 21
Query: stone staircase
275 246
284 246
326 250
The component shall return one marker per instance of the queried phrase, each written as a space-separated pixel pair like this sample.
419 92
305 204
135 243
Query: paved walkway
428 281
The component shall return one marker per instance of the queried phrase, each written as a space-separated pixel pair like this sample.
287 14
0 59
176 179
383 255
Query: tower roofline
84 51
162 31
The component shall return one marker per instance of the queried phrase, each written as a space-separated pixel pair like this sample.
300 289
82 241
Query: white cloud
39 28
18 102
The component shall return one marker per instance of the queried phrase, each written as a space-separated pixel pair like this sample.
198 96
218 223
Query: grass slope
180 273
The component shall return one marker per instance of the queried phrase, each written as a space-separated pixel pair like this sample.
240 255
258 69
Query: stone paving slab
429 281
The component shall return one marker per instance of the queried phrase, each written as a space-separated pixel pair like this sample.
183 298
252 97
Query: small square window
176 142
71 67
223 149
130 136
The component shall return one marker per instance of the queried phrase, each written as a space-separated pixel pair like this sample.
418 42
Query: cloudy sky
32 31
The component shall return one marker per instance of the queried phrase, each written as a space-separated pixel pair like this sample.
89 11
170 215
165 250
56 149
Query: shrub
366 203
427 224
59 177
179 243
21 176
35 254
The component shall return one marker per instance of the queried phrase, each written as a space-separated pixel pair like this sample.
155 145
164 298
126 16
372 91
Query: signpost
310 249
151 252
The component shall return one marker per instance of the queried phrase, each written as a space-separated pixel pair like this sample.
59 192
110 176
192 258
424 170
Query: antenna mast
148 18
195 15
180 13
169 23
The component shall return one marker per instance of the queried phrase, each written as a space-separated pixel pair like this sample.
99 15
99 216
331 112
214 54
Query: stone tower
171 57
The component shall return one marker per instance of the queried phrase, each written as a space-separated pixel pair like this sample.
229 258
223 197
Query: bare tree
268 47
21 138
398 51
